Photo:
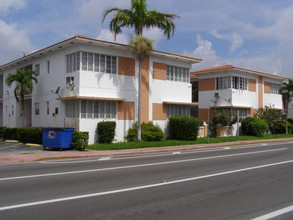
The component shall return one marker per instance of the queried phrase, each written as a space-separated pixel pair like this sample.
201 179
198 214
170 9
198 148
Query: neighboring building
82 81
236 89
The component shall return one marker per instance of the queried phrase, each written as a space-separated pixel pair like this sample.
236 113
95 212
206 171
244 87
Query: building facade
236 89
82 81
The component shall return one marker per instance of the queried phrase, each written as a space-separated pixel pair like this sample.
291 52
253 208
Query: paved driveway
14 148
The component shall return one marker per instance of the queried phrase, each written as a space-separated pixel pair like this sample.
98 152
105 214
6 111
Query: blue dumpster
57 137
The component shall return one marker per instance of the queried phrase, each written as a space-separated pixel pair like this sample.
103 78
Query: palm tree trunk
139 101
287 122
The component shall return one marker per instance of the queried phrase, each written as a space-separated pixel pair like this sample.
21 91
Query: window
37 69
48 66
99 63
234 82
173 110
239 83
243 112
72 109
98 109
12 110
73 62
37 108
48 108
275 88
179 74
223 82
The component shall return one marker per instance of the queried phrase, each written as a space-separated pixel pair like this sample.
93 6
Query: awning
181 103
70 98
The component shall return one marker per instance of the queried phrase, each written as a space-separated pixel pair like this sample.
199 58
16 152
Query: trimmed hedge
80 140
149 132
106 131
254 126
184 127
30 135
2 131
11 134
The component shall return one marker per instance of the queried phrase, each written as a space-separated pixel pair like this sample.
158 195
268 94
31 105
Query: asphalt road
231 183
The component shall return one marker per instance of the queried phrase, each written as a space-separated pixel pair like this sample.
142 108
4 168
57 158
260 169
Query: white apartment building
236 89
82 81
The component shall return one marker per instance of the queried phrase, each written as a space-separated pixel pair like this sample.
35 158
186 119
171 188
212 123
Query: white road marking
176 152
275 213
71 161
140 187
227 148
140 165
104 158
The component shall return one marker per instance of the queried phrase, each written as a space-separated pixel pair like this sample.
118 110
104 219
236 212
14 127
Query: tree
23 78
272 116
286 90
139 18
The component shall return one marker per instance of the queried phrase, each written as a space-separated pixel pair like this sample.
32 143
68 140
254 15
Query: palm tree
286 90
23 78
139 18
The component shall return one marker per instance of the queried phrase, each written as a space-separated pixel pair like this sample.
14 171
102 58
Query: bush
254 126
80 140
106 132
184 127
222 117
2 131
280 128
290 120
30 135
11 134
149 132
272 116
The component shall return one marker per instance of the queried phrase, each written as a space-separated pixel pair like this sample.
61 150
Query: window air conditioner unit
217 95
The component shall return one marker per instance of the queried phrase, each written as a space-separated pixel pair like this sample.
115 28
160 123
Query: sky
252 34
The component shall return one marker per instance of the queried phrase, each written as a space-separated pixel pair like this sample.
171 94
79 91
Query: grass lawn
164 143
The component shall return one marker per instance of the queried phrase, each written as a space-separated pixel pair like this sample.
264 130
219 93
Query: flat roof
80 38
196 73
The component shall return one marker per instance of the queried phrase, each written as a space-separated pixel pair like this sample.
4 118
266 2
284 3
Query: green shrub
184 127
2 131
280 128
220 117
254 126
11 134
290 120
106 132
80 140
30 135
149 132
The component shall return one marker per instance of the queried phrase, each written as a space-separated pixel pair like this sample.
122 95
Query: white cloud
204 50
13 42
107 35
7 5
235 39
154 34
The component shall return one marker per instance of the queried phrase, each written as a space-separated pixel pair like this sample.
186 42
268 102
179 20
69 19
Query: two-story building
236 89
82 81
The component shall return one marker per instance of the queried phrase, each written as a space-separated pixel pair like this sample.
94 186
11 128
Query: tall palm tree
139 18
23 78
286 90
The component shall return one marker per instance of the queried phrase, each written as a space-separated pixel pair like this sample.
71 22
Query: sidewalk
58 155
